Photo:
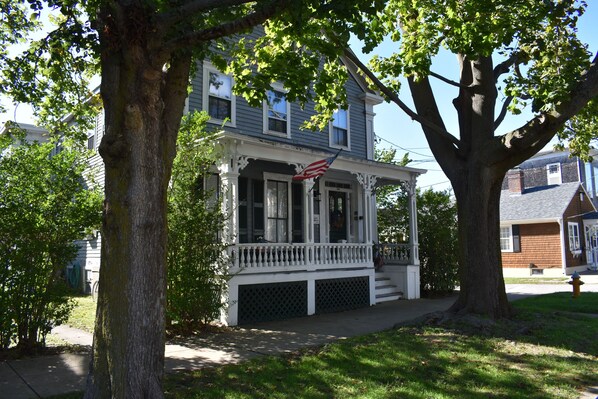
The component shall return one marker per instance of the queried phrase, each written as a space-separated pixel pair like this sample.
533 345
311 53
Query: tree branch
503 112
181 13
394 98
229 28
524 142
445 80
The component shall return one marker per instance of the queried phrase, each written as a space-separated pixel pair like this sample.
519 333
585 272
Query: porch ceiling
255 148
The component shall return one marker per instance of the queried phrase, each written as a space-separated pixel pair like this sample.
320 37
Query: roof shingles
547 202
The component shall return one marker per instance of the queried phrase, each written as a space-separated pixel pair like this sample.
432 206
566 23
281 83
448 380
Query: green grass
540 354
549 350
536 280
83 314
587 302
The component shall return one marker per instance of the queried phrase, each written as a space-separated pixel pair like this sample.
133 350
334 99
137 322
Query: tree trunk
482 289
143 106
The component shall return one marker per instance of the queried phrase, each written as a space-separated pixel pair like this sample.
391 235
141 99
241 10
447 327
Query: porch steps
385 289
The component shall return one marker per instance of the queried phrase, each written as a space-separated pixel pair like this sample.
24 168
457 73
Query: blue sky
394 128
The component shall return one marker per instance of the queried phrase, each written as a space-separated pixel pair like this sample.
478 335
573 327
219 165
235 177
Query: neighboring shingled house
541 228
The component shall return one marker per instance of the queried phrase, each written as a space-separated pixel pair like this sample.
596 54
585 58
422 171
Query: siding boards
250 121
540 245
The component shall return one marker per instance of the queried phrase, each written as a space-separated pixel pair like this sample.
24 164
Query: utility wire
402 148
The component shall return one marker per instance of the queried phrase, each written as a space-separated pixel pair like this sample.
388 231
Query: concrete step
387 289
388 297
380 282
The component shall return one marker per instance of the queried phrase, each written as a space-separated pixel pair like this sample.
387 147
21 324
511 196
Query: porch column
413 234
308 214
368 182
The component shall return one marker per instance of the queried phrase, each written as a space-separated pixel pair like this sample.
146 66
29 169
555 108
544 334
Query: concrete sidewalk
52 375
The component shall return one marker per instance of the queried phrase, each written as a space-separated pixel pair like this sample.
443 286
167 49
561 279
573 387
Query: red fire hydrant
576 283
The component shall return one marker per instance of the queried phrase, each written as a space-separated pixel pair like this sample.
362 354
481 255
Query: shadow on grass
539 354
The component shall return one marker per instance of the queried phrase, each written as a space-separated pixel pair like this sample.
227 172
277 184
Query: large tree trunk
143 104
482 288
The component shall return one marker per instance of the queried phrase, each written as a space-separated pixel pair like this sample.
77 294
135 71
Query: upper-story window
277 112
218 98
339 129
553 173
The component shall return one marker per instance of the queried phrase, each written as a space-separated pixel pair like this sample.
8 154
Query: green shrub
44 207
196 256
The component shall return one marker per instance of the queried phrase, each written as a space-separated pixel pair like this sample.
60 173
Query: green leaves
196 263
45 205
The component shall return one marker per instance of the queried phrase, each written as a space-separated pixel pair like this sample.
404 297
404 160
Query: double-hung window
553 173
339 129
277 112
218 97
574 236
506 239
277 207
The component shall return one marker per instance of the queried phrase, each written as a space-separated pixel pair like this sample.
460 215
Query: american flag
316 169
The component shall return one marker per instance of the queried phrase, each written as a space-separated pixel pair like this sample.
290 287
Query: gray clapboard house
296 248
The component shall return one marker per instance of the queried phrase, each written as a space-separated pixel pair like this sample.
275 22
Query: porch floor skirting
277 301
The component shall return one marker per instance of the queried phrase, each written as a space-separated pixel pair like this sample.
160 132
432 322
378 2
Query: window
574 237
277 113
91 142
339 129
218 97
506 239
277 197
553 173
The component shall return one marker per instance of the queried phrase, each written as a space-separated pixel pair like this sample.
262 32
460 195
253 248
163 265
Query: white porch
310 240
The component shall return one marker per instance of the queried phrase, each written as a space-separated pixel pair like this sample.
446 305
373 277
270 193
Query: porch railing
260 257
398 254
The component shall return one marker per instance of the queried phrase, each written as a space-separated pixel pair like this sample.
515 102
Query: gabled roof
537 203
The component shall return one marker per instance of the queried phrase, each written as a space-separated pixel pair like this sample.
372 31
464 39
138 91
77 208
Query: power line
402 148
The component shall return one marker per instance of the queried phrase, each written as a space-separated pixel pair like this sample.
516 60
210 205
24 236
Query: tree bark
143 101
482 287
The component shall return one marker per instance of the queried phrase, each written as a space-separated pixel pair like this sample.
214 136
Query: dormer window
339 129
553 173
218 97
277 112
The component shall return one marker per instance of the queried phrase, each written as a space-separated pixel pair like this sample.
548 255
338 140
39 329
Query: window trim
510 238
280 88
573 227
207 68
331 127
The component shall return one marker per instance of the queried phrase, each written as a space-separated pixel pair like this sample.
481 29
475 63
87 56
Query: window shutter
516 238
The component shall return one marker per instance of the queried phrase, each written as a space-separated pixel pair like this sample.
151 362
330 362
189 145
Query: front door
337 214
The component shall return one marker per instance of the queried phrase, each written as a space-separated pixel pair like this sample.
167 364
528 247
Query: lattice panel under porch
335 295
276 301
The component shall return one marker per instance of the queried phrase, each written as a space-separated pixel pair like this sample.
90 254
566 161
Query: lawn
540 354
536 280
550 350
83 314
